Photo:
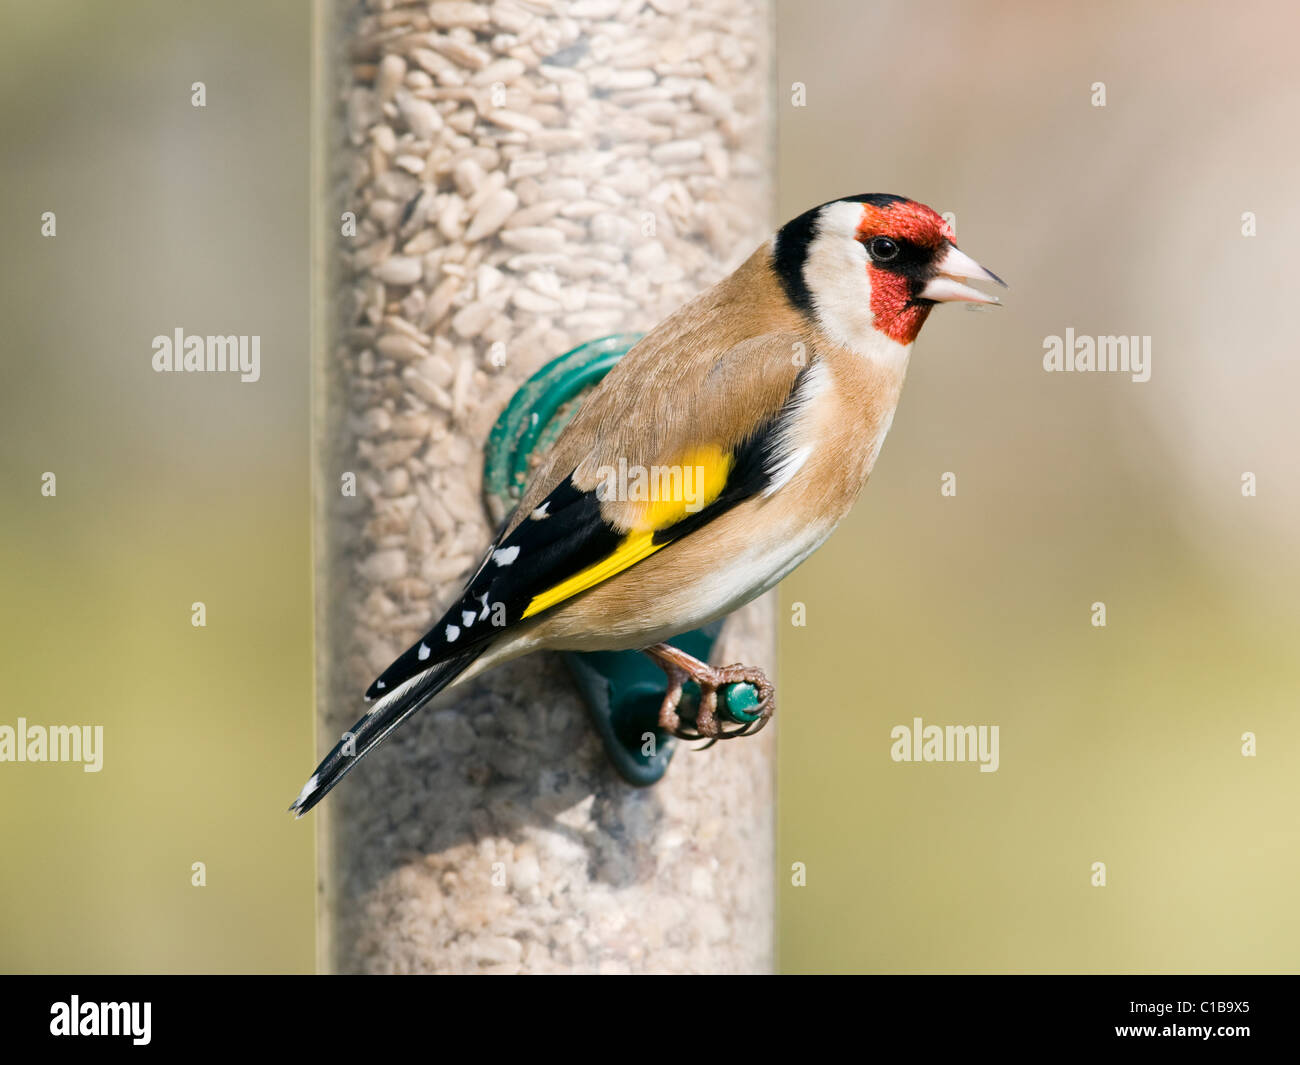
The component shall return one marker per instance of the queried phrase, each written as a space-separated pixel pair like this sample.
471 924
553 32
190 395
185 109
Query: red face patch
891 294
892 308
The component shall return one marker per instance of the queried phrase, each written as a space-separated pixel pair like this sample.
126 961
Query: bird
767 398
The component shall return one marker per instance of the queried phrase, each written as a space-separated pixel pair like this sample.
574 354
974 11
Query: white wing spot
380 684
423 652
307 789
453 633
467 618
506 555
540 512
484 600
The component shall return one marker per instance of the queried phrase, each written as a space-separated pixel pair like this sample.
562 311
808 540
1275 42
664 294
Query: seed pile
522 176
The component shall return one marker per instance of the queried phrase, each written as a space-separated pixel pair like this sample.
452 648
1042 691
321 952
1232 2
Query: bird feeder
504 182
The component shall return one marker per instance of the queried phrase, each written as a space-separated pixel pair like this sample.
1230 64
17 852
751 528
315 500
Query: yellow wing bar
628 553
691 485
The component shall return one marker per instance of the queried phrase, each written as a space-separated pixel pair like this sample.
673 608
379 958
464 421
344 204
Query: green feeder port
622 689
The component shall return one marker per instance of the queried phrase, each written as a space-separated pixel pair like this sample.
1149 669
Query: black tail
373 729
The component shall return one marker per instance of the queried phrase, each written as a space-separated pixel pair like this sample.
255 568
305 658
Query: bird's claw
709 724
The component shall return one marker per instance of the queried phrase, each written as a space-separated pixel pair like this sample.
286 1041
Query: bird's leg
681 667
668 719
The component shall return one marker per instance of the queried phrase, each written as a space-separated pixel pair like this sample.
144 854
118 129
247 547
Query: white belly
742 579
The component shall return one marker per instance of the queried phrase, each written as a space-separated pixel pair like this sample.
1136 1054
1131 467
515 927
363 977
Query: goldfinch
766 399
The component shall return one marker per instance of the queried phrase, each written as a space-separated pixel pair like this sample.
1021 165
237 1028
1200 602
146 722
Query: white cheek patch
836 272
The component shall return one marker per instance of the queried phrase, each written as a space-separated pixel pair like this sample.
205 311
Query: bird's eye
882 249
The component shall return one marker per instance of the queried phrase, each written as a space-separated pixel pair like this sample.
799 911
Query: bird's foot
709 723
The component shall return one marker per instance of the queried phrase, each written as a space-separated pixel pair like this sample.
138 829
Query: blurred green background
1119 745
172 488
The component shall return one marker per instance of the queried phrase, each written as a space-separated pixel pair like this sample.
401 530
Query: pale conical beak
954 267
